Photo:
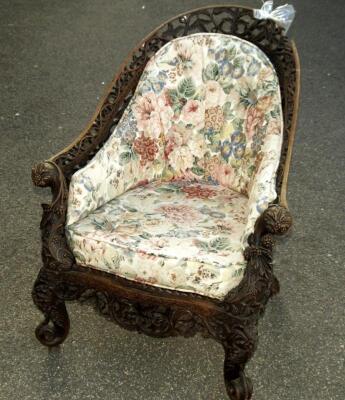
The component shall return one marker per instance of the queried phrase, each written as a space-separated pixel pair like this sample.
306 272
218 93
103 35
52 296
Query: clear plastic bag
282 15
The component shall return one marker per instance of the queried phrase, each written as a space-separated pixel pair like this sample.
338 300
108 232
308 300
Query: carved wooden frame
151 310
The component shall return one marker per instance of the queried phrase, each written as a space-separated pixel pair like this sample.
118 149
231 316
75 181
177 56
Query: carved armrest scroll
55 251
275 220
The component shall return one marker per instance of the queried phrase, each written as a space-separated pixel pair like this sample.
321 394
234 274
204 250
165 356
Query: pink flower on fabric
147 149
146 111
169 147
254 120
181 159
193 112
223 174
179 213
166 113
264 103
199 192
274 127
214 94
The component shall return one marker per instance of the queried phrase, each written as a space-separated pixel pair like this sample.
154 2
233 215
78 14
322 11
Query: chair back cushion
207 107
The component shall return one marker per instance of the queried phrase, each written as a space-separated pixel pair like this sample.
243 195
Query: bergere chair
164 209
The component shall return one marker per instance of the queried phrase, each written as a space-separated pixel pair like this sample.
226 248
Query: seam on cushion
152 254
240 241
156 285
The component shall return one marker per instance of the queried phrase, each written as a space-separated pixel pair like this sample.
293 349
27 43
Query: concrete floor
55 58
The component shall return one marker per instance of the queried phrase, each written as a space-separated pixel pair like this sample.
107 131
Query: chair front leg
54 329
239 348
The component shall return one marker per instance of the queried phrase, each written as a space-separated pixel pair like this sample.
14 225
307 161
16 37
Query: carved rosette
277 220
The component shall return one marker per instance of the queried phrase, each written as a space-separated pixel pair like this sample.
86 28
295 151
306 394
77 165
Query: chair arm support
55 251
275 220
259 282
108 113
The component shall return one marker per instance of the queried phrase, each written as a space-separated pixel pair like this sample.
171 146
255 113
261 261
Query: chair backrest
229 20
207 107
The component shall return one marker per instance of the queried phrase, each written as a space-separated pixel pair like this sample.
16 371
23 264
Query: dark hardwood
154 311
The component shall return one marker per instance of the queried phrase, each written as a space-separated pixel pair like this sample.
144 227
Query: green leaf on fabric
238 62
214 140
226 85
202 244
235 163
210 72
186 87
227 111
251 170
198 171
231 53
125 157
238 272
238 124
116 261
131 209
146 235
275 112
165 189
220 243
80 256
173 95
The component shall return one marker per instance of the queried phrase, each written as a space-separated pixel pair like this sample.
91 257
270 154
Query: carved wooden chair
164 209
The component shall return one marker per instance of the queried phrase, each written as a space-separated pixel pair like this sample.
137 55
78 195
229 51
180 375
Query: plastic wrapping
282 15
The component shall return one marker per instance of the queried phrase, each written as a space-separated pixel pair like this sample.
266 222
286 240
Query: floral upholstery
207 110
178 235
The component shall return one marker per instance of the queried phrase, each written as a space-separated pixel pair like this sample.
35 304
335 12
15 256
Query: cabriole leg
239 348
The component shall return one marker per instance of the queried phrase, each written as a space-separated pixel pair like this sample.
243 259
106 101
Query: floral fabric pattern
179 235
206 110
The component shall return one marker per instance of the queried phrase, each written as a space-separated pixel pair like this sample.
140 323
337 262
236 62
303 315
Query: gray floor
55 57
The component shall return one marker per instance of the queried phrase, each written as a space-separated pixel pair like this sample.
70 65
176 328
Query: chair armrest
54 244
107 115
259 283
263 186
86 145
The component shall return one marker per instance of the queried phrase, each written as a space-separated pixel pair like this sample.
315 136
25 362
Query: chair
164 209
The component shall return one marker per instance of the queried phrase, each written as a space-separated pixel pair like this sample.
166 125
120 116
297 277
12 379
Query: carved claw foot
54 329
240 388
239 349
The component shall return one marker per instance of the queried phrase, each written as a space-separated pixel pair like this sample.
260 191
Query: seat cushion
179 235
